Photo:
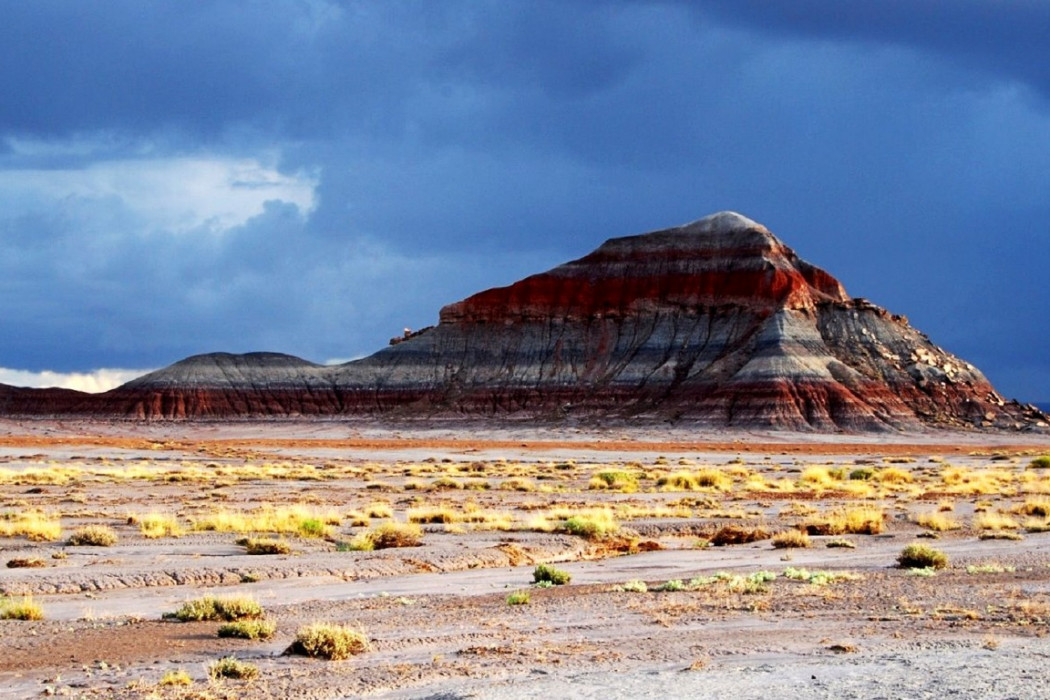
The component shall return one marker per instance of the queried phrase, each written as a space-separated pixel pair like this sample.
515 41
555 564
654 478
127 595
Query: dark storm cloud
457 145
1007 37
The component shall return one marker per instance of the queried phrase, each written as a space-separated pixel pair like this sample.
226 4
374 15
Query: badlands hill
716 323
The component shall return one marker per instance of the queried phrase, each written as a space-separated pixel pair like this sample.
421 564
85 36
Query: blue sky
311 177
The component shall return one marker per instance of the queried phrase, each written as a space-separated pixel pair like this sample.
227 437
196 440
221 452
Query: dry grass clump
156 525
93 536
388 536
704 479
614 480
326 640
26 563
298 520
790 539
591 524
519 598
175 677
938 522
518 483
893 475
921 556
995 521
544 573
33 525
379 509
266 546
22 609
1042 462
248 629
819 477
230 667
736 534
223 609
976 481
1035 506
862 520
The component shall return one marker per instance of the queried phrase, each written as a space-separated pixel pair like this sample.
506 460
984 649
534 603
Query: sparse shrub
326 640
556 577
922 556
23 609
894 475
1035 506
863 520
1042 462
791 539
674 584
634 586
861 474
990 568
994 521
313 527
28 563
614 480
938 522
229 667
248 629
34 525
209 608
266 546
735 534
175 677
388 536
93 536
518 484
840 543
518 598
678 481
593 524
155 525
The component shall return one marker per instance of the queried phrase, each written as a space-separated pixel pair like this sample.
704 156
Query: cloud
172 194
93 382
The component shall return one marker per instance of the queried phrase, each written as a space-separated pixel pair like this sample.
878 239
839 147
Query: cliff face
716 322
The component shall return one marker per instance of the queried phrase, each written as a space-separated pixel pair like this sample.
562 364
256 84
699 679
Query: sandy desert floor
657 605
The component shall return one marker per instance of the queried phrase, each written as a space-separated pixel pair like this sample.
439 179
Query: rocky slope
715 322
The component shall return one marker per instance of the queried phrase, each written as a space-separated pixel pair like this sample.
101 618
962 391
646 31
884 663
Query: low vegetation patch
736 534
819 578
24 608
325 640
174 678
224 609
863 520
26 563
549 574
938 522
591 524
1042 462
922 556
93 536
790 539
33 525
634 586
230 667
388 535
615 480
519 598
156 525
248 629
266 546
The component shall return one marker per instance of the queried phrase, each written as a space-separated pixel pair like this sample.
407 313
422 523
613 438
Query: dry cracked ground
697 565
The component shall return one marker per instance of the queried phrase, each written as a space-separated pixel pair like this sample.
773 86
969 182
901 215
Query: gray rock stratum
716 322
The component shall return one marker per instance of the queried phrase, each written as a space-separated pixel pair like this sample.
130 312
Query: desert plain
672 562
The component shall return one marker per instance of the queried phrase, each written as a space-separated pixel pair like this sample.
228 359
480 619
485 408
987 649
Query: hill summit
716 322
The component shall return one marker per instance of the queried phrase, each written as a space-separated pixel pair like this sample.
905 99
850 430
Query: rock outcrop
716 322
